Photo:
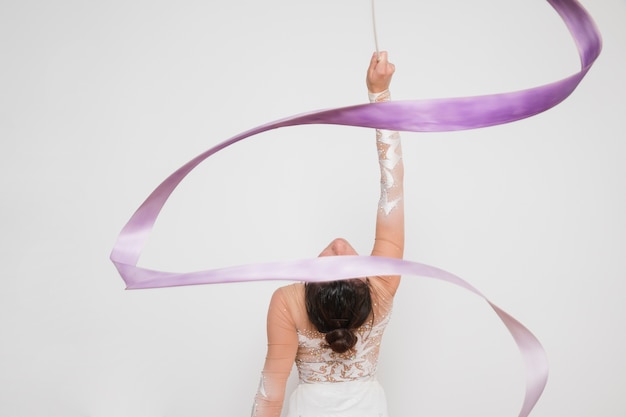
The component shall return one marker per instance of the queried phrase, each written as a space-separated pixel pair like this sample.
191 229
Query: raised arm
389 239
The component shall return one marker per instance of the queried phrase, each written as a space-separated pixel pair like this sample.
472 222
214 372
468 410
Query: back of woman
317 362
333 383
333 331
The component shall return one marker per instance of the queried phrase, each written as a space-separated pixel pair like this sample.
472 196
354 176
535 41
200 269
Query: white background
100 101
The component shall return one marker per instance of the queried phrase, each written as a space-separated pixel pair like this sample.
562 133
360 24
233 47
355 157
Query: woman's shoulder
290 299
290 291
291 296
294 293
385 286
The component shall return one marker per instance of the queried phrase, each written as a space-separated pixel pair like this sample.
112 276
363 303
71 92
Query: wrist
379 97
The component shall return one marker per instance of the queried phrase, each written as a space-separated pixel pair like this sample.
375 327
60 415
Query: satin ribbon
434 115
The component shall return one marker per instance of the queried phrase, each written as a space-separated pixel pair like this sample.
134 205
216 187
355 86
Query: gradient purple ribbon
434 115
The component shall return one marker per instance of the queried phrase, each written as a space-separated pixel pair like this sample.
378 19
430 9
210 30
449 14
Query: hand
379 73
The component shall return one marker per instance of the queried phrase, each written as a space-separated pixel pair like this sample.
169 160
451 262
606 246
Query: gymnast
333 330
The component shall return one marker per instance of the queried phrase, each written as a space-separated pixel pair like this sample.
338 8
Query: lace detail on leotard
317 362
389 157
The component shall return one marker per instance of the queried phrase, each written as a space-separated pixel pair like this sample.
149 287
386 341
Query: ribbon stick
434 115
374 29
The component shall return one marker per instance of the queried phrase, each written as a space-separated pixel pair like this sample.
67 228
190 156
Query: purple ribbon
434 115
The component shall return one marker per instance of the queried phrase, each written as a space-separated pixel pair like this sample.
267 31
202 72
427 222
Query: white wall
100 101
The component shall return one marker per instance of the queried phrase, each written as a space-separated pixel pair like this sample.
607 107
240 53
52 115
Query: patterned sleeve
389 240
282 345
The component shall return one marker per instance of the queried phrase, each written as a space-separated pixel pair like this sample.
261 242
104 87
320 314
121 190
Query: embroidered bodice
316 362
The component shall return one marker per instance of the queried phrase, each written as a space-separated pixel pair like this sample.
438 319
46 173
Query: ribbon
433 115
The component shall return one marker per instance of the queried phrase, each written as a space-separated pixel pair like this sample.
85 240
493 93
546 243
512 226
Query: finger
373 62
382 57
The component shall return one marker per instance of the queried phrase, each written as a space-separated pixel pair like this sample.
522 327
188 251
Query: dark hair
337 309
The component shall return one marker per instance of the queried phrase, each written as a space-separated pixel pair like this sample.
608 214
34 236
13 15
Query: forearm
390 214
268 401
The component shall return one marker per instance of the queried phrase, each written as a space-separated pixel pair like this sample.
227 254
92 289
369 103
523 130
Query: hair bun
341 340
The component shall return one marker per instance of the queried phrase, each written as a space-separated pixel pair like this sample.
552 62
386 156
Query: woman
333 330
